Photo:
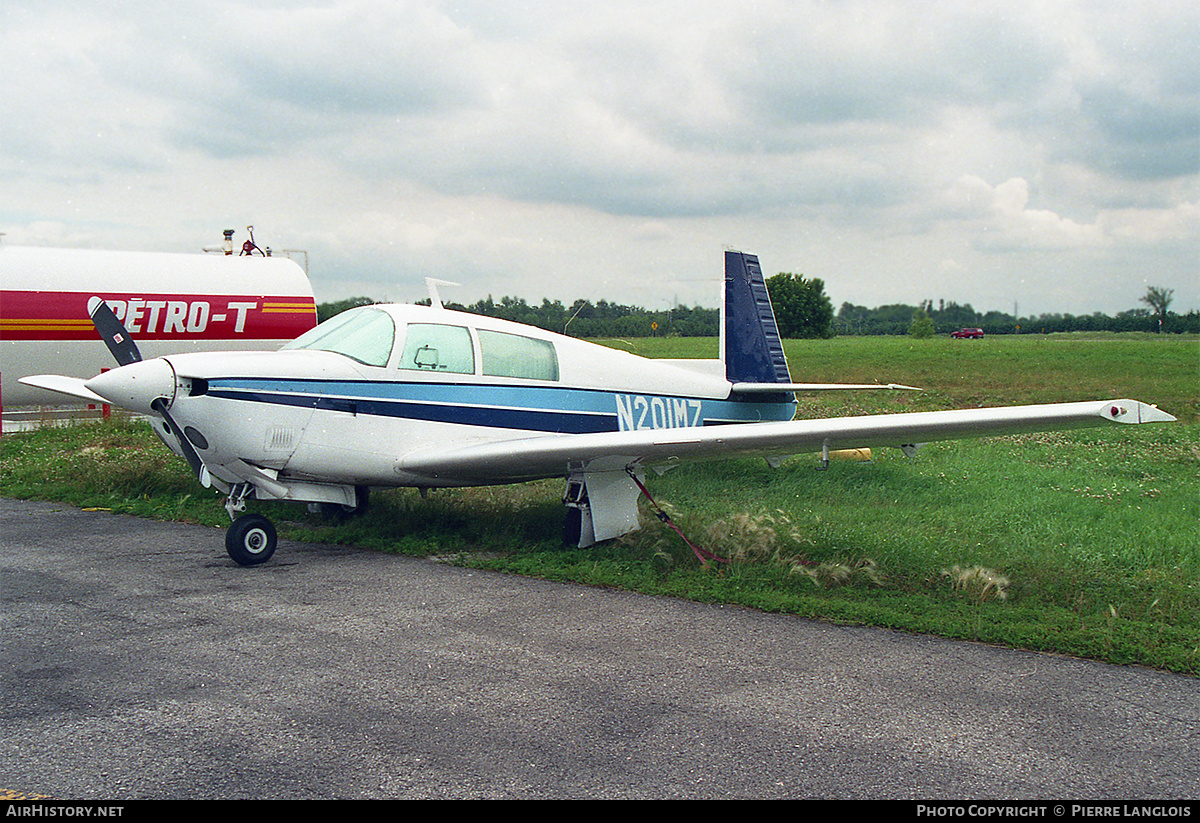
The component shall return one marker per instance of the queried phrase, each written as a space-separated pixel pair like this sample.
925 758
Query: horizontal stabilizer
757 388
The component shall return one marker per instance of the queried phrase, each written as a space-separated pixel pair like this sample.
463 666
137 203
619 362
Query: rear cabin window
437 348
512 355
365 335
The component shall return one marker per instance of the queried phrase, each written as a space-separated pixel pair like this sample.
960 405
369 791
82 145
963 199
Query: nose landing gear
251 537
250 540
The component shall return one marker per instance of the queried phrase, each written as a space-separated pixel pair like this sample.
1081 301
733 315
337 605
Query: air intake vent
280 439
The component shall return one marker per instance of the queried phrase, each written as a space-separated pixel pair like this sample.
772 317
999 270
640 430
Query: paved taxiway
140 662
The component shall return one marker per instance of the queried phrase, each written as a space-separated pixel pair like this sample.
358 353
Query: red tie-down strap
702 554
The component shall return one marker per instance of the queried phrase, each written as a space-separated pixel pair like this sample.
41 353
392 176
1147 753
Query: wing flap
561 455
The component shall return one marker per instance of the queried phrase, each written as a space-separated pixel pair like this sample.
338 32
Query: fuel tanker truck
170 303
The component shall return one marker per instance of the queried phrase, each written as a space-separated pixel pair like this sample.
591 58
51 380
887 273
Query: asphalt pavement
140 662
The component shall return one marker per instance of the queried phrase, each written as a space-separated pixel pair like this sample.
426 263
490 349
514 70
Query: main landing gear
340 512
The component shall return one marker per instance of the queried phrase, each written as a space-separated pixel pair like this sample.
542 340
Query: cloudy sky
1043 154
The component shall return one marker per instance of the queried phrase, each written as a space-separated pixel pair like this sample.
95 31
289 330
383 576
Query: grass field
999 370
1084 543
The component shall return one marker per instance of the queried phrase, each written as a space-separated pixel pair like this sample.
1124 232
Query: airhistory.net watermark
61 810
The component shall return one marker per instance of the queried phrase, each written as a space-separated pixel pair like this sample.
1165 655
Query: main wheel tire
250 540
340 513
572 526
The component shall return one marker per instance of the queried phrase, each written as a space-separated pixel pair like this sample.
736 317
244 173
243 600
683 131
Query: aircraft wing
72 386
563 455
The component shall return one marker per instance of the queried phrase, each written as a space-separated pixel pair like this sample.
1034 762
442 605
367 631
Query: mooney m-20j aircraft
426 397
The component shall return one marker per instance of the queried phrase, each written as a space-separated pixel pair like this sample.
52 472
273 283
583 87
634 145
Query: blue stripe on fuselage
551 409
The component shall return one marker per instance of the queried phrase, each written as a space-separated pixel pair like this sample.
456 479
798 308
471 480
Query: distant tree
328 310
1159 300
921 326
852 319
802 309
951 315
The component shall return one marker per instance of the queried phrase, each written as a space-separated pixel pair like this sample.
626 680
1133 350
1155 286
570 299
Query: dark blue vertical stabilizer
752 349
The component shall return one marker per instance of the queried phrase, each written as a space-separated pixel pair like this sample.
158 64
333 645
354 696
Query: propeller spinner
146 386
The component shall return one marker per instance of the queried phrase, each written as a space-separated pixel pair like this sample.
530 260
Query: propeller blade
185 445
111 330
125 351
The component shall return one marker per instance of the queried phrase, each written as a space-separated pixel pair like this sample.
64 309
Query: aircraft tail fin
750 344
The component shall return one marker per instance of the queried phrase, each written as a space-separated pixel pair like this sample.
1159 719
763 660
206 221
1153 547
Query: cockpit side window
437 348
514 355
365 335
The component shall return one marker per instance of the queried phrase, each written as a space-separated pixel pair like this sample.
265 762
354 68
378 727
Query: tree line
583 318
947 317
804 310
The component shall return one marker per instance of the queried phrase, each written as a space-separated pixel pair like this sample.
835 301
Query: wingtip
1153 414
1134 411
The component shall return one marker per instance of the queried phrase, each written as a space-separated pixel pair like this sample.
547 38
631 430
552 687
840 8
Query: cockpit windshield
365 335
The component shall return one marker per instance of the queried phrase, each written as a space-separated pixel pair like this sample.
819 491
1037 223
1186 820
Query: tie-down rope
702 554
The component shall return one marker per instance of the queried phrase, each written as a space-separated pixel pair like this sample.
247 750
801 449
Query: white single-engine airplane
426 397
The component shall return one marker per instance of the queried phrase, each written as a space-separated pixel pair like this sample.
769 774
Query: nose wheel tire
250 540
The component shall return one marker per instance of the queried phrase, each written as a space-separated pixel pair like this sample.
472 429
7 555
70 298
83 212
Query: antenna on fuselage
431 285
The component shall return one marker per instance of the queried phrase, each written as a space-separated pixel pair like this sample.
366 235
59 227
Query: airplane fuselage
444 379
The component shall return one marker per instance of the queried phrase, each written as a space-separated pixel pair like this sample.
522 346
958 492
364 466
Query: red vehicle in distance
967 334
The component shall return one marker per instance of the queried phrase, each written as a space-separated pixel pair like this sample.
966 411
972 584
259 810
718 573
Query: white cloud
548 149
1000 218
